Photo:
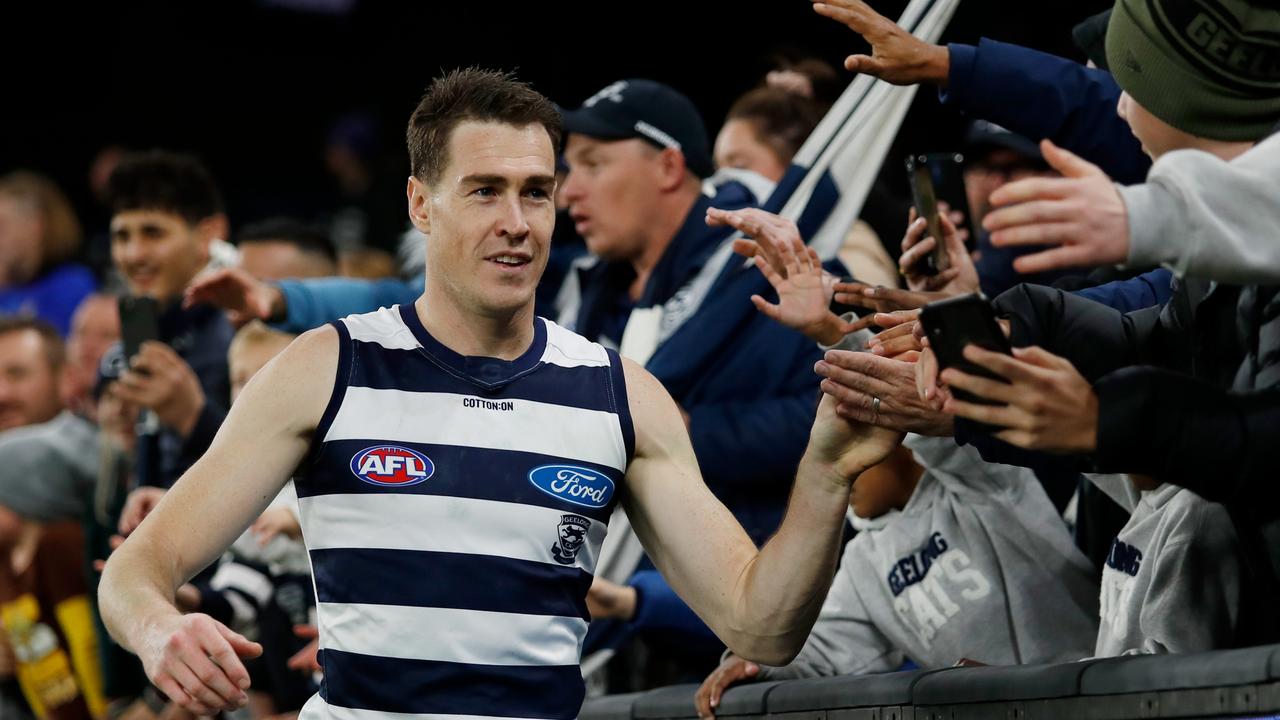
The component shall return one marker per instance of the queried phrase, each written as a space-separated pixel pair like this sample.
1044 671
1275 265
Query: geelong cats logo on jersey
391 466
572 536
576 485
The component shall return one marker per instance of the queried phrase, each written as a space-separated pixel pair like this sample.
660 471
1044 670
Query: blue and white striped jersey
454 509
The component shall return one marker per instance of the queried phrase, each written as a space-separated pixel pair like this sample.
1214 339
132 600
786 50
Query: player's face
490 215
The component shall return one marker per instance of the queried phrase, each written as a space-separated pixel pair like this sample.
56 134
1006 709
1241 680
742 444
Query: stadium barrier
1242 683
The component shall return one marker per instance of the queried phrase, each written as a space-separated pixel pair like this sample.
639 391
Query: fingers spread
769 310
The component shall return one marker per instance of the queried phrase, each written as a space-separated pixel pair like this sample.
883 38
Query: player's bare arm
761 603
193 658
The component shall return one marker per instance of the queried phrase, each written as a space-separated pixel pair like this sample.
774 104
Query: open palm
804 295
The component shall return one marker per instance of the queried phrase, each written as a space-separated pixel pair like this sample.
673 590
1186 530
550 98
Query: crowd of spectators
1104 489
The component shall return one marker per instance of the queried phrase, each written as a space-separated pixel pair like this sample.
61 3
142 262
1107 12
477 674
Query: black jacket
1187 392
200 336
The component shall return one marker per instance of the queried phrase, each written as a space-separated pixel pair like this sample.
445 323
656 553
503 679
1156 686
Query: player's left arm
761 603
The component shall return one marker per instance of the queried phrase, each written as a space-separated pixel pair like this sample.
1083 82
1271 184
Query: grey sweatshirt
1208 218
50 468
978 565
1172 579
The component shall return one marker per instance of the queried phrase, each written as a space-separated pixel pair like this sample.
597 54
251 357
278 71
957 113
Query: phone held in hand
952 324
946 169
139 322
925 200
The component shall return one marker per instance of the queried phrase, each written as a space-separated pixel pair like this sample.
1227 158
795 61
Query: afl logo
576 485
392 466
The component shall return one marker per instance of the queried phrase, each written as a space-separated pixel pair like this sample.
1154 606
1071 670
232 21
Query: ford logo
576 485
392 466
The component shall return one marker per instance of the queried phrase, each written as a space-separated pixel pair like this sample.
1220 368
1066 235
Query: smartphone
139 322
925 200
952 324
947 172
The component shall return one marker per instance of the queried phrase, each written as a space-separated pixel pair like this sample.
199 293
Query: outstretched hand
902 338
243 296
884 299
792 268
1081 213
858 380
897 56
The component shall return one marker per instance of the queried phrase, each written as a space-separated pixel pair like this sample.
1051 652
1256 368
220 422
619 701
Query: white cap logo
612 92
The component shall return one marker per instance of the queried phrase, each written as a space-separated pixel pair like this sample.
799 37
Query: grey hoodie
1205 217
1171 582
977 565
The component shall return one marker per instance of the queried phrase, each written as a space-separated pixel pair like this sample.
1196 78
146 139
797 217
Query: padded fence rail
1230 683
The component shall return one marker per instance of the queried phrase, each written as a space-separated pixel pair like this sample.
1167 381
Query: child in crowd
970 561
1172 581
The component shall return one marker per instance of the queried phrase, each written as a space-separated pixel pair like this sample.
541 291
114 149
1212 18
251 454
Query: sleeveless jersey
453 508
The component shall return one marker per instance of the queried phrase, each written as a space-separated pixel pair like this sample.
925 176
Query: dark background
252 86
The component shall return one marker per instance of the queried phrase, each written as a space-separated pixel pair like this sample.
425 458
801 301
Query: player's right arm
760 602
194 659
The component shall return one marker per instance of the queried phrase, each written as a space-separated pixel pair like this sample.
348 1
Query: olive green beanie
1210 68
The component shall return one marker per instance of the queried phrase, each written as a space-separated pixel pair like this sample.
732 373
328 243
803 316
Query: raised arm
297 305
1029 92
193 658
1189 215
761 603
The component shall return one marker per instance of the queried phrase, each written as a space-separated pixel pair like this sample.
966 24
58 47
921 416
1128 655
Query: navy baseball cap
648 110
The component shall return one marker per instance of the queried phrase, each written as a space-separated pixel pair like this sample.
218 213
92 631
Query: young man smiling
166 212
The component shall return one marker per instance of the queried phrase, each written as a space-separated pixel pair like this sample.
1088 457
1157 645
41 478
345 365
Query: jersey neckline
487 372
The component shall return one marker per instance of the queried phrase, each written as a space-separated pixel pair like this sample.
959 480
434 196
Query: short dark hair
166 181
307 238
782 120
54 349
478 95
